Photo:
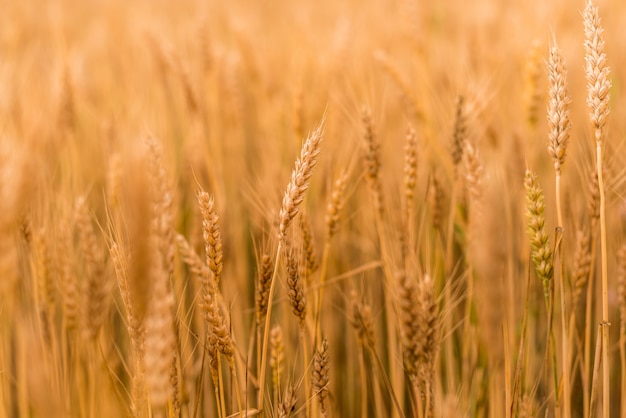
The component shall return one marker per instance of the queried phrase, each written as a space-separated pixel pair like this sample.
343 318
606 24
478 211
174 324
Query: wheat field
312 208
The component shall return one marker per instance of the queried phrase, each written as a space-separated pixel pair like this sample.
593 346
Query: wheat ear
277 359
539 239
320 376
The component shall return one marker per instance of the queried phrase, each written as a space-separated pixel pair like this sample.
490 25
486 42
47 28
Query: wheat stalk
294 195
621 293
598 89
559 125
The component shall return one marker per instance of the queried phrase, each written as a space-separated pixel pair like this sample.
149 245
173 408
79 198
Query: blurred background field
114 115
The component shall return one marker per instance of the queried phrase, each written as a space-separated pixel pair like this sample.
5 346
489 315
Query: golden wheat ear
321 369
299 182
537 231
558 108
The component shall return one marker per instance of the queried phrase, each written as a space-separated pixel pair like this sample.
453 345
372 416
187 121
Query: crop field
290 208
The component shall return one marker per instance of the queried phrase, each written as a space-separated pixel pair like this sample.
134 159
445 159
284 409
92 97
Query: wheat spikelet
299 183
558 112
539 239
320 376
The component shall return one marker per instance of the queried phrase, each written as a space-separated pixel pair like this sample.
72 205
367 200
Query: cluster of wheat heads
312 210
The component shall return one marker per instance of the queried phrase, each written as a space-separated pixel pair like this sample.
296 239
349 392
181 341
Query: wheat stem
266 330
